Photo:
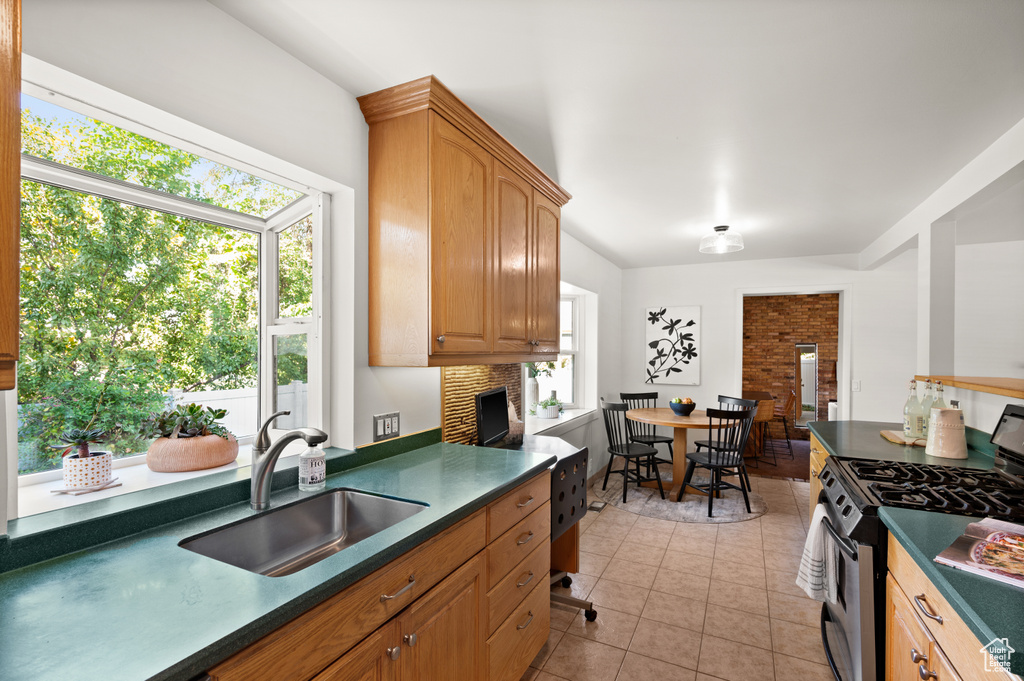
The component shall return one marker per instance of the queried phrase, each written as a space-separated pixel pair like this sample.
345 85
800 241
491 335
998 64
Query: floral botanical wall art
673 345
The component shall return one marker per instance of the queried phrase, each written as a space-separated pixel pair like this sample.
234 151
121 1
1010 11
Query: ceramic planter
92 470
548 412
167 455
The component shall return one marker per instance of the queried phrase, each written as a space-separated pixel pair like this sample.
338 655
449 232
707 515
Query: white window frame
315 202
576 350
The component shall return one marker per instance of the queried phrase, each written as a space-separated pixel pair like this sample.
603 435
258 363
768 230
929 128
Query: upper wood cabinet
463 236
10 187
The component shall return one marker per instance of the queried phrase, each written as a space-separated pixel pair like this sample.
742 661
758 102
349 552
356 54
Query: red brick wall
772 326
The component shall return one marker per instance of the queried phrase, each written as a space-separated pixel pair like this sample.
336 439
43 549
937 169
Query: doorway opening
806 406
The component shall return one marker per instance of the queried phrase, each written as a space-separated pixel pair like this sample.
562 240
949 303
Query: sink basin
287 539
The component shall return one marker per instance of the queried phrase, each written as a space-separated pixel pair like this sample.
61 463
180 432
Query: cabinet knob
916 657
440 339
410 639
393 653
923 672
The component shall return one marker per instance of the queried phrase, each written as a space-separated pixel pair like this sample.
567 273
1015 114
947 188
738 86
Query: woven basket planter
92 470
167 455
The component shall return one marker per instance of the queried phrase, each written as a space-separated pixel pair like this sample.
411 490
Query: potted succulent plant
548 408
188 438
83 468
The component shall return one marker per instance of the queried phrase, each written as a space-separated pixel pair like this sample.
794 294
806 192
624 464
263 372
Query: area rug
692 509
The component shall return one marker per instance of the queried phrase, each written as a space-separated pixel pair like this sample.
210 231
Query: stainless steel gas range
853 628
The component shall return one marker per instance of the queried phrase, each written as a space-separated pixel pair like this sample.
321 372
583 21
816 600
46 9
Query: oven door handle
843 544
824 642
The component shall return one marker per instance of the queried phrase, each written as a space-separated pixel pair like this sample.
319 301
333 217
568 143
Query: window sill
576 417
35 494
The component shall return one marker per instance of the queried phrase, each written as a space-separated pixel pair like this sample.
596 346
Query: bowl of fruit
683 406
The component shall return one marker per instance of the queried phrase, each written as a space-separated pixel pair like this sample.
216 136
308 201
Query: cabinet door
512 209
940 666
460 242
545 277
10 188
375 659
818 456
907 643
443 632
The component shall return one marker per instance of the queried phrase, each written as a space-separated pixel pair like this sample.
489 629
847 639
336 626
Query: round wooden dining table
679 425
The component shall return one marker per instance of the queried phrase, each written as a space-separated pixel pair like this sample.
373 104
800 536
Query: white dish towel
819 575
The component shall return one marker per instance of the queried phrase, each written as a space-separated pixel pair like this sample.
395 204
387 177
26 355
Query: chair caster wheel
591 615
566 582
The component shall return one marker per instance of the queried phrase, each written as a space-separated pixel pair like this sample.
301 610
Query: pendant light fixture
722 241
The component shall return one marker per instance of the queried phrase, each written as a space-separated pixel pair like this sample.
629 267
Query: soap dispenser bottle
312 470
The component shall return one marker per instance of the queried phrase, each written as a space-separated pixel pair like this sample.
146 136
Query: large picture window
562 376
153 277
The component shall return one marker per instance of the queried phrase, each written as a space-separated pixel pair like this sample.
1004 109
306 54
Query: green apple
677 400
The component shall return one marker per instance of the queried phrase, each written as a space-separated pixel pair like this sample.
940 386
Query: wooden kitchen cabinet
463 236
818 456
10 187
449 625
919 645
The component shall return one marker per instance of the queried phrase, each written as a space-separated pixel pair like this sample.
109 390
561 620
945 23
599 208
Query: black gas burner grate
916 473
1005 504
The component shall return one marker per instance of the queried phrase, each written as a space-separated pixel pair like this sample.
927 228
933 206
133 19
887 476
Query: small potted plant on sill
535 369
83 468
188 438
548 408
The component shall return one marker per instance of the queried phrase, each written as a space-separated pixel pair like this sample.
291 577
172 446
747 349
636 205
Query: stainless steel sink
288 539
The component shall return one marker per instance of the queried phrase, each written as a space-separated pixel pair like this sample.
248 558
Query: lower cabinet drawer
309 643
508 550
518 640
517 585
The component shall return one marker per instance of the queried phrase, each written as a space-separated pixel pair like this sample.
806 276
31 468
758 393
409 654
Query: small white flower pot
92 470
548 412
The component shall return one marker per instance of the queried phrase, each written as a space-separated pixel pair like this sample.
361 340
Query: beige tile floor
691 602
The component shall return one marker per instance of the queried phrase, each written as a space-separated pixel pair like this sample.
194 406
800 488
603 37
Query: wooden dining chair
646 433
631 452
784 416
729 430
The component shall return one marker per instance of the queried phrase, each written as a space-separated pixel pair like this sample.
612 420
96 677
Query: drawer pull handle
920 603
923 672
529 537
526 503
385 598
523 626
393 653
916 657
528 580
411 640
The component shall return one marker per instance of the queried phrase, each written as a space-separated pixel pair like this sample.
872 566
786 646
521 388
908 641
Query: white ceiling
810 126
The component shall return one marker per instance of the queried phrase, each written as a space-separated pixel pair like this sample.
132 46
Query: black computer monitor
491 415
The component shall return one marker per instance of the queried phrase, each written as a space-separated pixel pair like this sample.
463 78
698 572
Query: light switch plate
385 426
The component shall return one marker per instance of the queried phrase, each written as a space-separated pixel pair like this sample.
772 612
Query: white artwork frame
672 349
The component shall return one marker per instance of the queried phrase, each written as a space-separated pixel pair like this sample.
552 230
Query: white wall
989 309
582 267
881 312
206 68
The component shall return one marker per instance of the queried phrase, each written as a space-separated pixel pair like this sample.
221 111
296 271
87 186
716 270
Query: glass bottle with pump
312 470
926 405
913 416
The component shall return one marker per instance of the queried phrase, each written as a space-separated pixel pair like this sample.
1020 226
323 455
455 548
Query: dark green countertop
862 440
990 609
144 608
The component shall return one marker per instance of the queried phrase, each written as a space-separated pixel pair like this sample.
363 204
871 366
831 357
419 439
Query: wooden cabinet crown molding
431 93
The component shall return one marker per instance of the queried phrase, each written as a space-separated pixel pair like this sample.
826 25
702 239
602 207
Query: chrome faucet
265 455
